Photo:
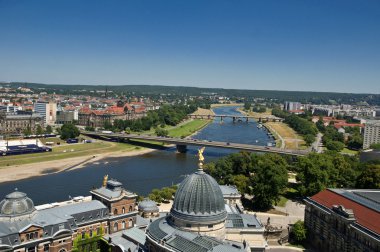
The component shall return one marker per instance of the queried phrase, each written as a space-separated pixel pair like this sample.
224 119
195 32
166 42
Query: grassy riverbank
65 152
189 128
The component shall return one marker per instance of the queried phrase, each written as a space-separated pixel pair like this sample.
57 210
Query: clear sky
320 45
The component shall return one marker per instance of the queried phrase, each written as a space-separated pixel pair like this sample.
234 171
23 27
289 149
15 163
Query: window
123 210
130 208
210 226
188 225
83 235
123 225
115 226
130 223
46 247
115 211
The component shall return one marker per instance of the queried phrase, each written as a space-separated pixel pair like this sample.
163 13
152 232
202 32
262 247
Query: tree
370 177
309 139
39 130
89 128
298 231
241 182
335 145
48 129
355 142
27 131
161 132
69 131
269 180
247 106
375 146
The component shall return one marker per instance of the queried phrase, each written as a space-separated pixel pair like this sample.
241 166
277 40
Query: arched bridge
182 143
235 118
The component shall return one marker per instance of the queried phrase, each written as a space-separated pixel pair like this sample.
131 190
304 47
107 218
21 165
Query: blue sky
319 45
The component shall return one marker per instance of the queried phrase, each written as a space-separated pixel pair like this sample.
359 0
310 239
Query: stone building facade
23 228
14 123
344 220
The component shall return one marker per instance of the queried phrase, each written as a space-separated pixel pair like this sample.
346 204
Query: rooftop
365 204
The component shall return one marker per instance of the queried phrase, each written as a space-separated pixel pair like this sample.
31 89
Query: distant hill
157 90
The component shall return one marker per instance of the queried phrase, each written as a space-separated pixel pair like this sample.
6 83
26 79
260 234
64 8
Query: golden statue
201 158
105 180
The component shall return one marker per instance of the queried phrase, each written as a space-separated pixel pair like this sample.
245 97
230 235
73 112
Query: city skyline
329 46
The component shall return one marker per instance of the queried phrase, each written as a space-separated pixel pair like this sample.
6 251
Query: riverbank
23 171
217 105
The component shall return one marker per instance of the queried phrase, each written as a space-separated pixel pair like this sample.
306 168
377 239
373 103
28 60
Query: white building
48 110
371 133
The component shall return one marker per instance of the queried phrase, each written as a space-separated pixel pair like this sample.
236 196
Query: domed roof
148 205
199 200
16 203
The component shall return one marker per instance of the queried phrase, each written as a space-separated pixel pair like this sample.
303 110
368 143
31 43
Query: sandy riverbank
18 172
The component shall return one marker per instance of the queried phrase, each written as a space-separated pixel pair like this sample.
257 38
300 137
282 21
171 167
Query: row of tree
38 131
302 125
265 176
166 115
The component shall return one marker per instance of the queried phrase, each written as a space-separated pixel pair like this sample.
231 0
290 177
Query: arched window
123 225
115 226
62 250
130 208
123 210
115 211
130 223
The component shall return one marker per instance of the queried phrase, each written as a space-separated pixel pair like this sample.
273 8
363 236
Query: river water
143 173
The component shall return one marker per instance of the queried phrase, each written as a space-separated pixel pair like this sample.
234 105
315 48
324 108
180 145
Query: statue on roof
201 158
105 179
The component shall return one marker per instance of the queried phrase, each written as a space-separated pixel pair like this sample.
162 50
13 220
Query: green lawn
282 201
188 128
350 152
66 151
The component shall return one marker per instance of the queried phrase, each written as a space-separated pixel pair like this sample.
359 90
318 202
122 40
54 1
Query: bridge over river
235 118
181 144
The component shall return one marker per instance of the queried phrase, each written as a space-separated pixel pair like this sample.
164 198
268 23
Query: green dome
199 200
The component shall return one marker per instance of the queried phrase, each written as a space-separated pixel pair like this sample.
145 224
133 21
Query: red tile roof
339 125
365 216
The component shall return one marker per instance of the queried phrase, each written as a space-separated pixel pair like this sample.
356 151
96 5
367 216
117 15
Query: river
143 173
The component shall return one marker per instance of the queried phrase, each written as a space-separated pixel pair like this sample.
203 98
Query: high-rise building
371 133
48 110
291 106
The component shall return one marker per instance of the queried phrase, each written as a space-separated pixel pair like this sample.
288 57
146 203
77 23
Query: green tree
69 131
269 180
309 139
48 129
27 131
298 232
247 106
335 145
89 128
312 178
375 146
39 130
161 132
355 142
370 177
241 182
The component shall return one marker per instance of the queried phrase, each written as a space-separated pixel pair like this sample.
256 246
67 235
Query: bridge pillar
221 118
234 119
246 119
181 148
